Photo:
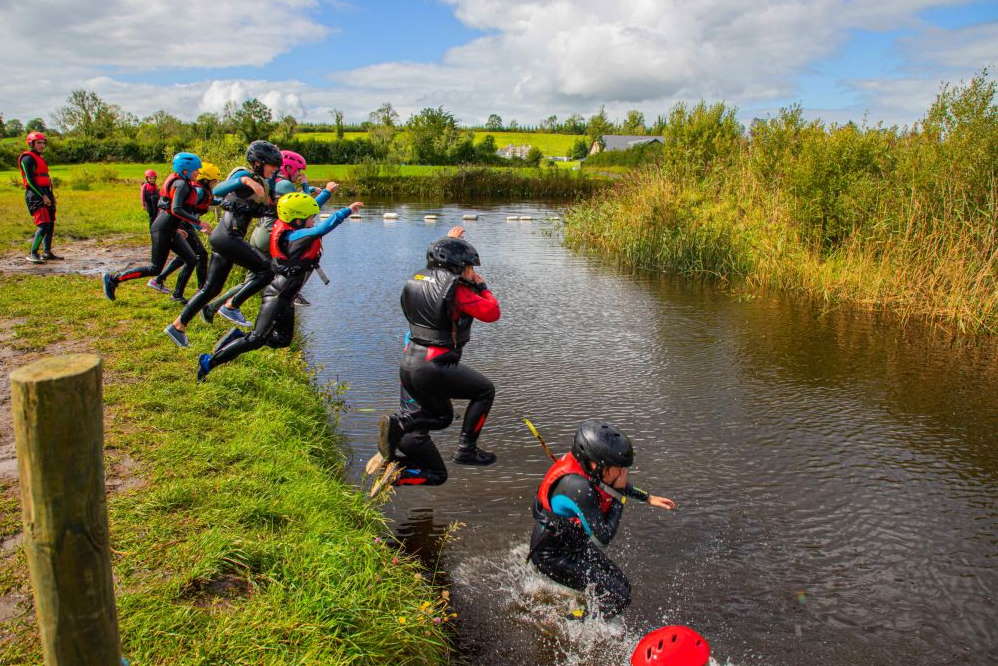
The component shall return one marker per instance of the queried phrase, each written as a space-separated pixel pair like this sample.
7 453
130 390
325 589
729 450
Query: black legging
228 250
43 236
201 268
433 384
165 237
275 324
577 564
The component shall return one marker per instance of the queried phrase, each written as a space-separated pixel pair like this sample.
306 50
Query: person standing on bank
38 196
581 500
440 303
149 194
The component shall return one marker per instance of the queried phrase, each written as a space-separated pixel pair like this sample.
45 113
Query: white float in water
525 218
391 216
469 217
512 218
430 219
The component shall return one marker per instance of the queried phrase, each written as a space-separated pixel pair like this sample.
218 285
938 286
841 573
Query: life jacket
166 193
243 203
149 194
204 199
292 257
428 304
566 465
42 178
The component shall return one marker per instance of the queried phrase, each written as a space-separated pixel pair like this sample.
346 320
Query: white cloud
538 56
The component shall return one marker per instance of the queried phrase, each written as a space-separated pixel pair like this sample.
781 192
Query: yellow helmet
209 172
296 206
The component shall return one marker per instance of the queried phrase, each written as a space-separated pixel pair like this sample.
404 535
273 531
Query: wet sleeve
482 306
230 185
636 493
323 227
28 167
574 496
178 207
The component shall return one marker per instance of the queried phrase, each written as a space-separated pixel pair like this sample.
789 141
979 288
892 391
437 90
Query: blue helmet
184 164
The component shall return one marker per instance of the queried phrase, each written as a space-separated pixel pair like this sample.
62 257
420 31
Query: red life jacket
166 193
204 199
566 465
301 254
42 178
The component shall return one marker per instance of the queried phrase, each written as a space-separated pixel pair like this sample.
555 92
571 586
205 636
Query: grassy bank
237 541
897 219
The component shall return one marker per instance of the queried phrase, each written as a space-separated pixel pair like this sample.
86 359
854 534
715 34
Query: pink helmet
150 173
292 163
35 136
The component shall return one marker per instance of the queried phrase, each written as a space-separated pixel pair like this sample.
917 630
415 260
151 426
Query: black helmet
600 442
264 152
451 253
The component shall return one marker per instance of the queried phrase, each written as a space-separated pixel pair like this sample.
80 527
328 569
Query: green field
550 144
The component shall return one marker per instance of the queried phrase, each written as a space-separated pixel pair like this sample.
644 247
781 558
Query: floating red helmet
35 136
150 173
671 646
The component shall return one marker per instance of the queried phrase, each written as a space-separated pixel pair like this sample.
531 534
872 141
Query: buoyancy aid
428 304
42 178
290 257
166 193
566 465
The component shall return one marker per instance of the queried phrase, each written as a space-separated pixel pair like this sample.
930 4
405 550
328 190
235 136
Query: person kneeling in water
581 499
295 248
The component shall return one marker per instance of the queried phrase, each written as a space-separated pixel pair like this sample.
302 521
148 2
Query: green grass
242 483
328 136
549 144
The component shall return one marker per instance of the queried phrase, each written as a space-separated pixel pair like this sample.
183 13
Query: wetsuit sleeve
234 182
28 167
178 208
322 197
323 227
482 306
573 496
636 493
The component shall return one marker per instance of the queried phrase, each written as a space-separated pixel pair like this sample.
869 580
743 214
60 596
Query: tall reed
901 219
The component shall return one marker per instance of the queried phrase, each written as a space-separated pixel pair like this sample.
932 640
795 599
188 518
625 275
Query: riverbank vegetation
898 219
234 537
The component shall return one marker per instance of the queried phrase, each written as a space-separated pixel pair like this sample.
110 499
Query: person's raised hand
331 186
356 205
456 232
661 502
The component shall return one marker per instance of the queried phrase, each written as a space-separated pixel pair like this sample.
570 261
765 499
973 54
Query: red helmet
291 164
671 646
35 136
150 173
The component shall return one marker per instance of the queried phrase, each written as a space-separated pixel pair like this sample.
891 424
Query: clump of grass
244 544
899 219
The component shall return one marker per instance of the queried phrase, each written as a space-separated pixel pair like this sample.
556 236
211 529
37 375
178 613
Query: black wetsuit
175 212
204 202
440 311
562 547
229 248
150 201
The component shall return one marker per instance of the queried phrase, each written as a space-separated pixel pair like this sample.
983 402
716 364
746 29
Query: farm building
622 142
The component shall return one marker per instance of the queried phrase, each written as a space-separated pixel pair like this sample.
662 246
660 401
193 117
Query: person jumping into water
290 177
440 302
38 196
246 193
177 198
581 499
295 248
208 177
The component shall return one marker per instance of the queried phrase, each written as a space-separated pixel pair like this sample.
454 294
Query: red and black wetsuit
440 308
150 200
571 510
177 199
37 185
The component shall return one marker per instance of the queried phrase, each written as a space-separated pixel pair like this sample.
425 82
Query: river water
836 477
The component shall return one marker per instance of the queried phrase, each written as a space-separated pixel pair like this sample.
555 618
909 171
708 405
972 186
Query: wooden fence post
57 406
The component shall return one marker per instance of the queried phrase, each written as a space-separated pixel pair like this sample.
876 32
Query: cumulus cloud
537 57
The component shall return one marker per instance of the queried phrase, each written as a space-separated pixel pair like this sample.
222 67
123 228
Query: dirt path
88 257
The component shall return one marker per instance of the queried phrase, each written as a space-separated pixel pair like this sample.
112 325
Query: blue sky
523 59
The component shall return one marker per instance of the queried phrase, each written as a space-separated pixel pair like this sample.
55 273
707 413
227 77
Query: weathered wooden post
59 431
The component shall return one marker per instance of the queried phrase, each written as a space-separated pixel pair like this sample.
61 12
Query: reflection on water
835 476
